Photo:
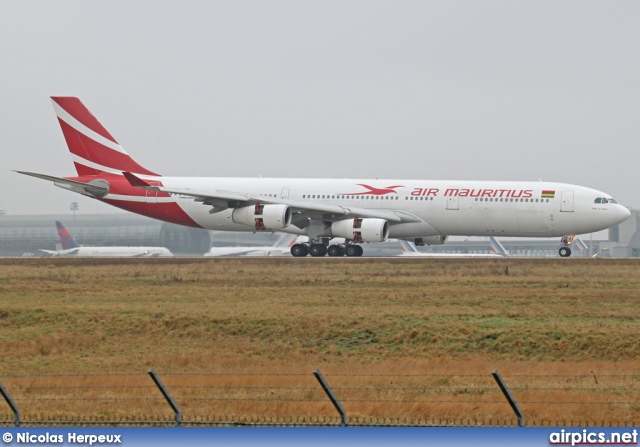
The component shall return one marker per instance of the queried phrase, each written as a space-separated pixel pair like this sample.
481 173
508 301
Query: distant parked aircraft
409 249
70 248
281 247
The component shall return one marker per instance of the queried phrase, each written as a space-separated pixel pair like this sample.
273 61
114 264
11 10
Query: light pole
74 207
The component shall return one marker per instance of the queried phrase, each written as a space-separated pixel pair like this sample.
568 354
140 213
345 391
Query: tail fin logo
66 240
92 147
497 247
408 247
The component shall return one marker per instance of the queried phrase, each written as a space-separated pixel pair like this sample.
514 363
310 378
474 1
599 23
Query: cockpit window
603 200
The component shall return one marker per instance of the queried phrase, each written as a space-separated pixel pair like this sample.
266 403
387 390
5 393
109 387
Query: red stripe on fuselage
166 211
76 109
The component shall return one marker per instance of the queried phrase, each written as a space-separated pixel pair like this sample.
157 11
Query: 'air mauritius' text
466 192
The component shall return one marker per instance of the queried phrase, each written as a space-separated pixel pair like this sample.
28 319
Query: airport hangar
26 234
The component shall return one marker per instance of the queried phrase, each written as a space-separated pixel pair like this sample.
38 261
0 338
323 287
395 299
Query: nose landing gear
565 250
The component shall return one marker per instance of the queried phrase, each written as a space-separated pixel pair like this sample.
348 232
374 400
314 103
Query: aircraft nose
623 213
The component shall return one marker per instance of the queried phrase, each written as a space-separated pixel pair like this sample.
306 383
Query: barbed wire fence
241 399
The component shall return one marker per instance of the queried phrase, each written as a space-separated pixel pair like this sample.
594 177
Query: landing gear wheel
317 250
299 250
336 250
564 252
354 250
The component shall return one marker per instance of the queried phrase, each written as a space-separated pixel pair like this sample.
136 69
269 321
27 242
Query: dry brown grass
546 325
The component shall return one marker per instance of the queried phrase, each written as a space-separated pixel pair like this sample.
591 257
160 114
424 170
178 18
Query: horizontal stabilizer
49 252
97 188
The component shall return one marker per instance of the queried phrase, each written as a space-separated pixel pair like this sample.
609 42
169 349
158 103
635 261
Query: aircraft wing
71 251
140 255
49 252
221 200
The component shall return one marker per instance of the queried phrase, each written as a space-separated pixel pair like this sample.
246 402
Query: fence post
12 404
165 393
334 400
512 400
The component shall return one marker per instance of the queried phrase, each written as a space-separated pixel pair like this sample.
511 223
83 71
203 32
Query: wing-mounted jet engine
263 217
361 230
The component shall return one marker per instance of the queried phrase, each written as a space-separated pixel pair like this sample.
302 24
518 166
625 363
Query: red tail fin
92 147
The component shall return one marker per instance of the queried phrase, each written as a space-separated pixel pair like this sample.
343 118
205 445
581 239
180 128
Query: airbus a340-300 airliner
422 211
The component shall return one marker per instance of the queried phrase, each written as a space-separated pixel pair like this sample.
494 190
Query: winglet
135 181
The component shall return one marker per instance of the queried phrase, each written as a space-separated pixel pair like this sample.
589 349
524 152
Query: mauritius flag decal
548 194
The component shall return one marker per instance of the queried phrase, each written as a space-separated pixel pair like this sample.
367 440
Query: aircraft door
453 202
567 201
285 192
152 196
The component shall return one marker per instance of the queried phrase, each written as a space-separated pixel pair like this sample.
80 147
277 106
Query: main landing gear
565 250
319 250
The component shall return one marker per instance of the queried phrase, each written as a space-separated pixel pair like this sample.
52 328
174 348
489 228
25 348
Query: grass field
568 320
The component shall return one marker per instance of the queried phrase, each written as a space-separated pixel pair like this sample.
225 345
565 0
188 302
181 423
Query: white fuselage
248 251
464 208
108 252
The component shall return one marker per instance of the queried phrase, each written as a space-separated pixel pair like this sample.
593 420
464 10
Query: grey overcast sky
495 90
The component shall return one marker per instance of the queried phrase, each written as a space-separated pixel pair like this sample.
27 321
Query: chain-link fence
239 399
